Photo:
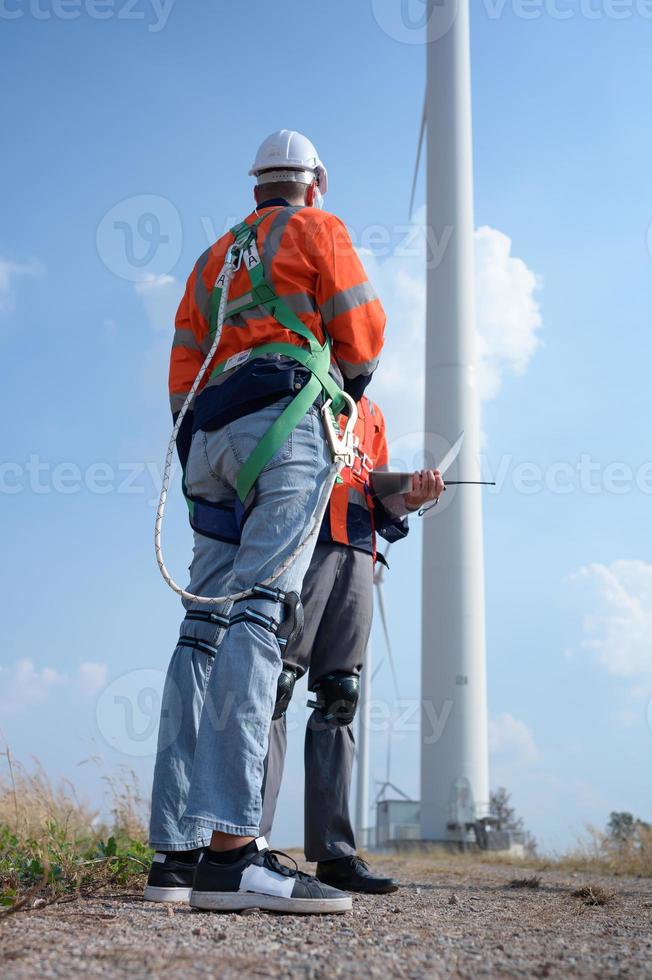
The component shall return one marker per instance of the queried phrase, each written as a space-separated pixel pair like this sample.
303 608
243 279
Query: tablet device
386 484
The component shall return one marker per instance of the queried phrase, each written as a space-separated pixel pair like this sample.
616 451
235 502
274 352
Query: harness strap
268 592
315 357
252 616
285 630
215 619
195 644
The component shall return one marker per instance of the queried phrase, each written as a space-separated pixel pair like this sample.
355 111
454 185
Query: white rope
227 273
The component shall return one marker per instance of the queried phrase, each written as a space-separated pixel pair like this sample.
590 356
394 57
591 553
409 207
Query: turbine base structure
454 752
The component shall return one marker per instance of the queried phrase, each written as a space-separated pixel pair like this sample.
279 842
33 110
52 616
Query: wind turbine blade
383 618
419 149
379 572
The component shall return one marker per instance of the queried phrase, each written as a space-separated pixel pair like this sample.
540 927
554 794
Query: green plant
52 845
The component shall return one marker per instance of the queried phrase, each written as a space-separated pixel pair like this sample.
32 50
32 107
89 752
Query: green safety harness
315 357
312 355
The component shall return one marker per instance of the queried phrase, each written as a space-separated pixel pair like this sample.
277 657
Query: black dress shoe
353 874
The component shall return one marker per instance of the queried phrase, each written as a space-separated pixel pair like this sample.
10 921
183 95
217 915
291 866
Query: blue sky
170 103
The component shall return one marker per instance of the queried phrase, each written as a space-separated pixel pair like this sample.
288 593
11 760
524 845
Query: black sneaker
354 874
170 878
257 880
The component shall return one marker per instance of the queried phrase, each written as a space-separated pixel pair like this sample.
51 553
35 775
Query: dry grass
595 853
532 882
53 846
29 801
594 895
598 853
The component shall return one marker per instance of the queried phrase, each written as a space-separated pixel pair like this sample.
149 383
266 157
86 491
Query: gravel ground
451 918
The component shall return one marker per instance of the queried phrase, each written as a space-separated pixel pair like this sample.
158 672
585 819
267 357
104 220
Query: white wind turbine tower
454 749
454 766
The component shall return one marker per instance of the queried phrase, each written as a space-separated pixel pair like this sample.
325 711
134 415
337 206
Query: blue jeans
217 710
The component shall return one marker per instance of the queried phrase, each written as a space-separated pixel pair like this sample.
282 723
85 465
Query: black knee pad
337 697
291 628
284 690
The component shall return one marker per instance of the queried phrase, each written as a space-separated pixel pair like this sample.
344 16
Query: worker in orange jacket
220 691
338 602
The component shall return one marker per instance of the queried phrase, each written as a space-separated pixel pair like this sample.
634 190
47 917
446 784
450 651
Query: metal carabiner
234 256
341 444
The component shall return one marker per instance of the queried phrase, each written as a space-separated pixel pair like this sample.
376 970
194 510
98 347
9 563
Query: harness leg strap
287 628
217 621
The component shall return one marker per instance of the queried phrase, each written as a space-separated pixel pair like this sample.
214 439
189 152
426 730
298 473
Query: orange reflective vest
309 259
353 516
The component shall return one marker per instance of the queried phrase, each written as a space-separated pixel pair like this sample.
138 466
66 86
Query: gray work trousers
337 596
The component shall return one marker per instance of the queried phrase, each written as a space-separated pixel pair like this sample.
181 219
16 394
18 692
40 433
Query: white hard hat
288 155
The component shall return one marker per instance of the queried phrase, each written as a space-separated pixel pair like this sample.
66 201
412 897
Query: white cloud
617 623
399 383
508 321
507 312
9 271
23 685
161 296
512 740
92 677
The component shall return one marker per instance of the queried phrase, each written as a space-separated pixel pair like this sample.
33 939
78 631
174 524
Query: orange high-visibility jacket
309 258
354 515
